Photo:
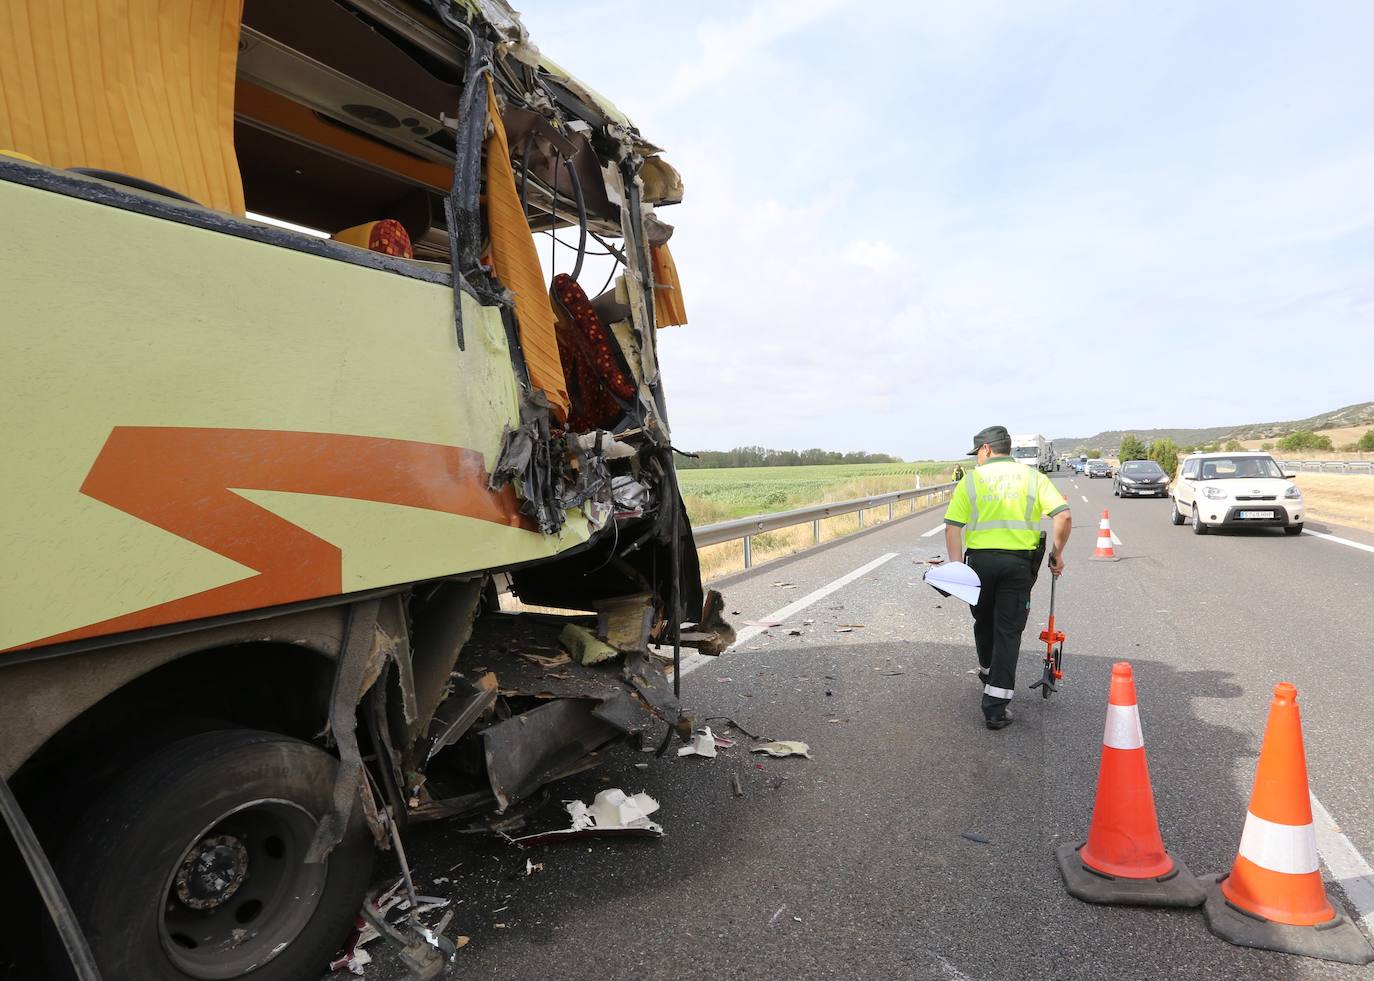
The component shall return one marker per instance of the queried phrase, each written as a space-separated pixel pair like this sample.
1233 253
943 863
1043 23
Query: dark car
1141 478
1097 468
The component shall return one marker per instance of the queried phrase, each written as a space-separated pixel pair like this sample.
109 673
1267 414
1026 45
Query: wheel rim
1197 518
240 891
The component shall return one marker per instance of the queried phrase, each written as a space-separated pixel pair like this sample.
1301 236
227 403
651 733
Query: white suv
1234 490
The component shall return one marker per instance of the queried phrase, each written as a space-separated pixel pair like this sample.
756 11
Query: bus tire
189 866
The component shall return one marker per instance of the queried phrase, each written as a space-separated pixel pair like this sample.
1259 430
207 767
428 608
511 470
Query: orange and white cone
1273 896
1104 548
1123 860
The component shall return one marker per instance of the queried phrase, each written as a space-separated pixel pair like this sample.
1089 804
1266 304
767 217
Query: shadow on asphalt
866 843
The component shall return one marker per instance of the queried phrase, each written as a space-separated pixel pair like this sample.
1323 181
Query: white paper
955 579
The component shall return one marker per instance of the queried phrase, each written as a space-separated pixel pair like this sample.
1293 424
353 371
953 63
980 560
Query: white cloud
988 205
871 255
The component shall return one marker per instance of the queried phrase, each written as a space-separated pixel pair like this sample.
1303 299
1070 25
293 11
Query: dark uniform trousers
1000 615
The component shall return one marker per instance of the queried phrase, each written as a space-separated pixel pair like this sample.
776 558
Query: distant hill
1351 415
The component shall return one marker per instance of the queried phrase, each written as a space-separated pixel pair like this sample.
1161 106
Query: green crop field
717 495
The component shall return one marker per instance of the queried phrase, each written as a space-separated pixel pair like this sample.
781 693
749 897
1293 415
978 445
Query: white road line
695 660
1346 864
1342 541
934 531
1085 498
1115 540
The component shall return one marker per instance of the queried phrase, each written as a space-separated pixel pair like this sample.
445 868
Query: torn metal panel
362 650
518 648
527 460
531 749
458 713
442 625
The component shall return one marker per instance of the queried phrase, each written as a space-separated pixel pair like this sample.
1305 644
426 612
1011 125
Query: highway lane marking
695 660
1343 541
934 531
1346 864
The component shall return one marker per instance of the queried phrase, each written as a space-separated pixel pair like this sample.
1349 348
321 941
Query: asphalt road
856 863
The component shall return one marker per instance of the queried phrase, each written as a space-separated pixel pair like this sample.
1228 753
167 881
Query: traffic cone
1123 860
1104 548
1273 897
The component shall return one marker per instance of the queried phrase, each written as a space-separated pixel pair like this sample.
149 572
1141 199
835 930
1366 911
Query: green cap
990 435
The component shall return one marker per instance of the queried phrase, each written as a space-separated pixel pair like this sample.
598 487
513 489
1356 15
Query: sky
907 220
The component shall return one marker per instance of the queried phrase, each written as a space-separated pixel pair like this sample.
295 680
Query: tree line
762 456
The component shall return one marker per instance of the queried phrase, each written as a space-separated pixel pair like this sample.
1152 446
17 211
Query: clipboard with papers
955 579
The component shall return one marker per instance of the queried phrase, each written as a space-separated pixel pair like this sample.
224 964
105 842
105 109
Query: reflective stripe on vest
975 531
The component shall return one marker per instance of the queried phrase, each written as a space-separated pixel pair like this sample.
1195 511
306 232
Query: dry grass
1339 438
1342 499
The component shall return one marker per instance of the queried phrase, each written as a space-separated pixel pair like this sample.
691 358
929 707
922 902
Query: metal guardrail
758 524
1330 466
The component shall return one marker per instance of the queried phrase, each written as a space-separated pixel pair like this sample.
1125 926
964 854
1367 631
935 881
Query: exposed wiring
581 217
609 279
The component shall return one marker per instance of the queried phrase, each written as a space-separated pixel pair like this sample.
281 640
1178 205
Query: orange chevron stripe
180 480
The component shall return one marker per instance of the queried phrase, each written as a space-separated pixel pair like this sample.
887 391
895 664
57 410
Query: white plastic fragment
703 744
613 809
784 747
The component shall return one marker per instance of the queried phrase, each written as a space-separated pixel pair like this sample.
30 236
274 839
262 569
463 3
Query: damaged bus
294 412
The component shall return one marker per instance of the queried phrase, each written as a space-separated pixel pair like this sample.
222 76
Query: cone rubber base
1176 888
1337 940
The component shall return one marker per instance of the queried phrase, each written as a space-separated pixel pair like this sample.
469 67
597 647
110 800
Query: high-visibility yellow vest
1001 503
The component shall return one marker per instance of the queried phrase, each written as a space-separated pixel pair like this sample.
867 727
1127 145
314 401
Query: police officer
994 520
958 472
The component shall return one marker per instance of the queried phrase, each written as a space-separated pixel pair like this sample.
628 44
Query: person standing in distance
993 519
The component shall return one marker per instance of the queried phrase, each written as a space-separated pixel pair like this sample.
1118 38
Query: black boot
1000 721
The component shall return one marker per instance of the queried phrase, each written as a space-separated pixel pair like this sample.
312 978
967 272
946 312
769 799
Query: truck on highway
1034 451
296 418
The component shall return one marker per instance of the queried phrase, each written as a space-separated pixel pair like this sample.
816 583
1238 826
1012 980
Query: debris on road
853 626
557 661
784 747
734 725
794 633
844 630
612 814
975 837
703 744
532 867
586 648
735 785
